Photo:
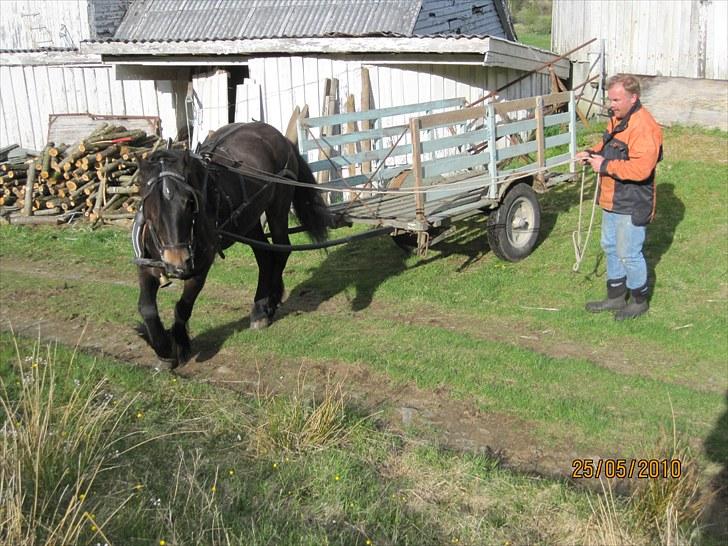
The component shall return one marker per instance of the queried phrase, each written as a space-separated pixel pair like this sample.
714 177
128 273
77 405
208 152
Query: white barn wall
36 91
31 24
288 82
647 37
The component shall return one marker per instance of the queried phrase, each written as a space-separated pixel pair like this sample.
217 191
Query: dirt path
455 423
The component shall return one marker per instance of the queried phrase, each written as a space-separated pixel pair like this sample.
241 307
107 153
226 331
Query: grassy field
509 343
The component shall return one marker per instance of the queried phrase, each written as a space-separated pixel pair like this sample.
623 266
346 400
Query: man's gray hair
630 83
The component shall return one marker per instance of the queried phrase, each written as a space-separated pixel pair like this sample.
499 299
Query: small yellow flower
369 541
337 477
139 487
275 465
174 380
213 488
162 542
139 414
94 528
231 472
81 496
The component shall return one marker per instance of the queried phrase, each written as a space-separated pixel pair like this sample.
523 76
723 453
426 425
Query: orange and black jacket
631 148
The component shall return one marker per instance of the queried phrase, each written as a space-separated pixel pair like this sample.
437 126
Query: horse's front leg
182 311
155 334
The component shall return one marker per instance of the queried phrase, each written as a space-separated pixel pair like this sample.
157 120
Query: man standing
626 160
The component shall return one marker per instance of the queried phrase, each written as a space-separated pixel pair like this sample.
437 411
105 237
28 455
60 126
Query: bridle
166 177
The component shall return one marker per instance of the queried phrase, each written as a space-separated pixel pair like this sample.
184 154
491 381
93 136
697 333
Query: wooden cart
418 168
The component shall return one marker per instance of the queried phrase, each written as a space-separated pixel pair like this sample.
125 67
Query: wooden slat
451 118
383 112
556 98
453 163
506 129
337 140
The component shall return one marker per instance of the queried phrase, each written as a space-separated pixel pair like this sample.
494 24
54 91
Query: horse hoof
260 324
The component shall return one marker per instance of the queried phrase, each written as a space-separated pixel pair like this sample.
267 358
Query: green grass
182 467
512 339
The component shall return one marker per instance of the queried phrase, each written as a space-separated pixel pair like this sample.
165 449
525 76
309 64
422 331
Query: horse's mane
162 155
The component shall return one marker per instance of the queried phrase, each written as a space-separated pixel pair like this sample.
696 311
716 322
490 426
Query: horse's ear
169 143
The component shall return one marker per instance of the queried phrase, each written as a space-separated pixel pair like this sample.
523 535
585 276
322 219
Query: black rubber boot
638 304
616 297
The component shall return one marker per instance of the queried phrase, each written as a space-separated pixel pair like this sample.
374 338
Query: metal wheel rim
521 220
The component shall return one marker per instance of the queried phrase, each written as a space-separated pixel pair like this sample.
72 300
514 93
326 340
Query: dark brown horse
192 207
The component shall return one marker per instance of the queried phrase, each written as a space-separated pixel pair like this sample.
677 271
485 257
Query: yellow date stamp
643 469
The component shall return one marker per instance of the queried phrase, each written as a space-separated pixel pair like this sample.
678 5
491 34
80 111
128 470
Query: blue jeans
622 243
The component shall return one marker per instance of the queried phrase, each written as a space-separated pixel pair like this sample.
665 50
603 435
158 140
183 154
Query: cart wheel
513 227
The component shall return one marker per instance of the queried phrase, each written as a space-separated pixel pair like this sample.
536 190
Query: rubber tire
504 243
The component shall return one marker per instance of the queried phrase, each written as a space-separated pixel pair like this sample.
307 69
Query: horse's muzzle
177 262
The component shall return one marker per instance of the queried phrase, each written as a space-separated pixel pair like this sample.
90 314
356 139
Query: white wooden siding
288 82
31 24
647 37
32 93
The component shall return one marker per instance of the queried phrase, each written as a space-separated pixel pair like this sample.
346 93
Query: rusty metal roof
188 20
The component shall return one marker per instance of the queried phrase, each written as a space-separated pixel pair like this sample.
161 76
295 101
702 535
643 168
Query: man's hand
593 159
596 162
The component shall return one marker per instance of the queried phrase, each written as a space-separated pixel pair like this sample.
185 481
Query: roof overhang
47 57
494 52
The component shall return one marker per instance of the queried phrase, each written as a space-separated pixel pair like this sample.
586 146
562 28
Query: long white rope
579 249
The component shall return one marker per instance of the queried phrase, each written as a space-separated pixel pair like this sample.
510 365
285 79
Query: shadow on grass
716 450
661 233
360 268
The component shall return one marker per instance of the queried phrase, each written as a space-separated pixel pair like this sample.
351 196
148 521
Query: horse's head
171 205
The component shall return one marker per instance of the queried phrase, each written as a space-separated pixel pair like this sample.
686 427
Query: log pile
94 179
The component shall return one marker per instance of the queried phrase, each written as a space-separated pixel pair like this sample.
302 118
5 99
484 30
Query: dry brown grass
300 423
53 453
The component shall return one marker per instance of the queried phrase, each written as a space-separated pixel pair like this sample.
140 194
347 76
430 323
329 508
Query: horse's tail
309 204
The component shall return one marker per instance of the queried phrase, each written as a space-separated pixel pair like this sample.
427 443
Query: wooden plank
507 107
556 98
436 167
366 95
451 118
337 140
557 119
540 141
350 128
384 112
68 128
507 129
417 169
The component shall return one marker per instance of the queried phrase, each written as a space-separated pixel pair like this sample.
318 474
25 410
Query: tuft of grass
300 423
670 508
54 452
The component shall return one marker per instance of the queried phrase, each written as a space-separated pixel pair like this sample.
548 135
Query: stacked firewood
95 178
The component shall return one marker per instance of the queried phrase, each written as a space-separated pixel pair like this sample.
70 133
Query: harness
140 225
213 163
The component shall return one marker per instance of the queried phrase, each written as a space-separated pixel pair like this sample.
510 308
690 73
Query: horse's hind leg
182 312
279 233
154 333
262 313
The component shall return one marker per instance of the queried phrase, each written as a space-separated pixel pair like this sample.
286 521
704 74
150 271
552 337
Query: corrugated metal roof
161 20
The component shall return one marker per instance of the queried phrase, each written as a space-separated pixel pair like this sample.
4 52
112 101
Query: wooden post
366 124
351 128
417 169
540 145
291 132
